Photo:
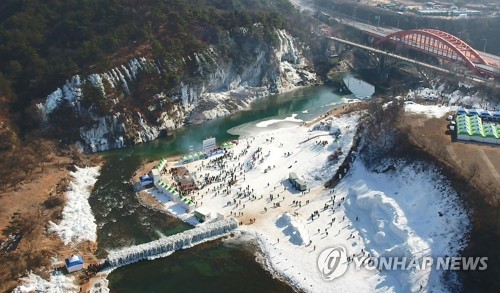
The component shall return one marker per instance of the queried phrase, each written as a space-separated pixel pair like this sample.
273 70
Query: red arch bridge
440 44
430 41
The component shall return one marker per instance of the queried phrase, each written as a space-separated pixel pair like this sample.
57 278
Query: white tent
155 174
491 135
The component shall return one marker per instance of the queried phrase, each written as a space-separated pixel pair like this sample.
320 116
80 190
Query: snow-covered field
394 213
78 222
457 97
433 111
58 283
408 212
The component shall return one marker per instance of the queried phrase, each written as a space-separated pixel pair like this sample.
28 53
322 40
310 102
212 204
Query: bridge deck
492 68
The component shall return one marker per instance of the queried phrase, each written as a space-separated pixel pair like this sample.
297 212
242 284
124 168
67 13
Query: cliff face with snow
129 104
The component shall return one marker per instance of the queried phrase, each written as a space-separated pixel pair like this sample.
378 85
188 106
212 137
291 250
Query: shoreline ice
78 222
266 123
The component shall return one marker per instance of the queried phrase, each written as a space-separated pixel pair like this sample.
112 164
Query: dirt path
452 153
337 111
490 166
314 137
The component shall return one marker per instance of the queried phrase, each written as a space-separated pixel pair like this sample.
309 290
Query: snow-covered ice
398 214
266 123
408 212
78 222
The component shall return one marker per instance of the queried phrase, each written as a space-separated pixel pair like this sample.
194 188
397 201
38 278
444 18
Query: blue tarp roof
146 178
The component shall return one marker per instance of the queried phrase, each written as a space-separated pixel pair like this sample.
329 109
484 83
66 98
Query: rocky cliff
145 98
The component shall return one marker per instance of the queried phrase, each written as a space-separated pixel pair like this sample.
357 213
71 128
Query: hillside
105 74
108 74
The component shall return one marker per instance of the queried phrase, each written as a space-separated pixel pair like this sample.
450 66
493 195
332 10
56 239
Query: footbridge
165 246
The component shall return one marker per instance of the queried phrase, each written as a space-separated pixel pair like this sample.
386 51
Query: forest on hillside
42 43
45 42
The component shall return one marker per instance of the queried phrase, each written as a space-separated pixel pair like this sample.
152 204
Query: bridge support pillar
381 63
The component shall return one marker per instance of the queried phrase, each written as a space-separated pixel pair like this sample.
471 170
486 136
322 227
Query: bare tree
28 161
439 150
45 151
472 171
380 128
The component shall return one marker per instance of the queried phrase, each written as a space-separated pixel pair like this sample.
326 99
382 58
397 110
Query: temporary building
161 164
74 263
473 112
145 180
300 185
491 135
202 215
462 111
473 128
155 174
486 114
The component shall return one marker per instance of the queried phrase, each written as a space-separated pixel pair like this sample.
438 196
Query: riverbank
27 212
339 110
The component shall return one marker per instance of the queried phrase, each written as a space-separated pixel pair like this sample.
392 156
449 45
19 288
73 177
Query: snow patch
433 111
409 212
293 228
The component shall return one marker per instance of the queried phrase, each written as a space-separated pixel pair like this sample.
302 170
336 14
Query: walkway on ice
163 246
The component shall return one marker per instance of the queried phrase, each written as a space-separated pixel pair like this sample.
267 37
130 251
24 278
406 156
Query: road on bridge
381 32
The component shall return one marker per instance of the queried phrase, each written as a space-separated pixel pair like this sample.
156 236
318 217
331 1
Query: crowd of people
226 176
